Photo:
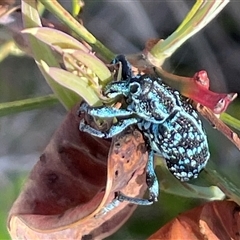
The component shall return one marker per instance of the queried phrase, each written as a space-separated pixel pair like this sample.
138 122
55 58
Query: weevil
169 123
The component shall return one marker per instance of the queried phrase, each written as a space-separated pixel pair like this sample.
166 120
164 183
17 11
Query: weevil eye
135 88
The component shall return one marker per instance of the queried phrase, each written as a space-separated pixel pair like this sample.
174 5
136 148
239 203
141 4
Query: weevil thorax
151 99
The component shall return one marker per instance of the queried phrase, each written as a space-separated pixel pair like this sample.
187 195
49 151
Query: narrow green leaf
201 14
172 185
30 14
53 37
40 50
76 7
43 52
224 183
54 7
79 85
93 63
231 121
27 104
190 15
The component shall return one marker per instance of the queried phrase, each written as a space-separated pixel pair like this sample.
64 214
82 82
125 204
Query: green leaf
92 63
231 121
10 189
170 184
43 52
201 14
224 183
78 85
30 14
27 104
55 38
54 7
76 7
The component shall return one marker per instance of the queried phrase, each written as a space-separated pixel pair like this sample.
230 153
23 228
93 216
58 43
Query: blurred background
124 27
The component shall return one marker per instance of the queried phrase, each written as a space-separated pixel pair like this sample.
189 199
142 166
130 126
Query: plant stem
199 16
54 7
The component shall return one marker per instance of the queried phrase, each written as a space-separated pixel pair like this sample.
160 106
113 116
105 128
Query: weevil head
125 66
120 88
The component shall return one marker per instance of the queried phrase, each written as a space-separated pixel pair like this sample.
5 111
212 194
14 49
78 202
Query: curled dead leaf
7 2
214 220
71 183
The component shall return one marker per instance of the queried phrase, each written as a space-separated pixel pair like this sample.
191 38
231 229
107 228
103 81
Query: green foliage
9 194
27 104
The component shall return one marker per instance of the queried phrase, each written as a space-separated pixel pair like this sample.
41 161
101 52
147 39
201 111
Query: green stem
231 121
76 7
199 16
190 15
27 104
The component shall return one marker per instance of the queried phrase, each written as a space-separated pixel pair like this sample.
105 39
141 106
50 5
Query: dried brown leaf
214 220
66 188
7 2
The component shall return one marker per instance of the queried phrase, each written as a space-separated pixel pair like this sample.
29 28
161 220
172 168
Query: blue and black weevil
168 121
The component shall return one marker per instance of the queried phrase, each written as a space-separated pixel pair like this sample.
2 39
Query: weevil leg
104 112
151 178
120 197
139 201
88 129
153 187
114 130
109 207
